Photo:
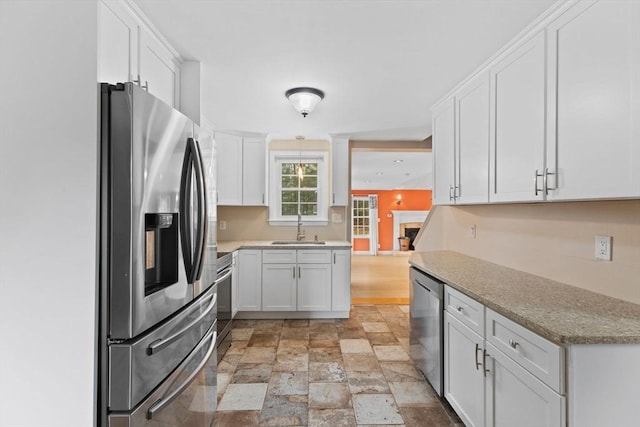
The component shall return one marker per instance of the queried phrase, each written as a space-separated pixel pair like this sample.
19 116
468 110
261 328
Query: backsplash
552 240
252 223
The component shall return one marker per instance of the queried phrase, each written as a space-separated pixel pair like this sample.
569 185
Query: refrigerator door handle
201 234
161 403
185 212
193 257
161 343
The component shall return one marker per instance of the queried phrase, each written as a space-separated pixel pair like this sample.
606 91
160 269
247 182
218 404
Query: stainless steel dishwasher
426 339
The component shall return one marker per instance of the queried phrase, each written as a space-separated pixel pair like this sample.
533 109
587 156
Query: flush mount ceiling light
304 99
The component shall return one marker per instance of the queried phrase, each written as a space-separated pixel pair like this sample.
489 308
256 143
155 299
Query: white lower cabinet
279 287
314 287
463 378
487 386
341 280
302 280
514 397
250 280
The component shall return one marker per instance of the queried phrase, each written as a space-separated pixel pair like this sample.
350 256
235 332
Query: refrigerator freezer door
186 398
137 366
147 141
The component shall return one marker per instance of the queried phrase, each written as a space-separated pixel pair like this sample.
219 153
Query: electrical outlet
603 248
472 231
223 225
336 218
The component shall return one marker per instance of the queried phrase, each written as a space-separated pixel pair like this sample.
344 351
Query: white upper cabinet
229 155
461 145
339 171
117 44
518 82
564 113
159 70
129 50
594 134
444 152
241 170
253 172
472 141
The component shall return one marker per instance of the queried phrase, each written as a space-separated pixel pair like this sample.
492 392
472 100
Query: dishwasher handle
429 283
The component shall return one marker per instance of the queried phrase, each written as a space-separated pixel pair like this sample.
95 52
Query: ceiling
381 63
391 170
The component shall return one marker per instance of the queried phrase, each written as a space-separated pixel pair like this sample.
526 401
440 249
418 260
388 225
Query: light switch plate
336 218
603 248
223 225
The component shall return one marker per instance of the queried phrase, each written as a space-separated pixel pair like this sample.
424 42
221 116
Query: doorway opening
390 198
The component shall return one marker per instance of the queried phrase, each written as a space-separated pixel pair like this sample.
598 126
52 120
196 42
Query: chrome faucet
300 234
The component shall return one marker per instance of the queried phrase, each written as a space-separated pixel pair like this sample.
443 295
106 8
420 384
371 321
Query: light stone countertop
232 245
559 312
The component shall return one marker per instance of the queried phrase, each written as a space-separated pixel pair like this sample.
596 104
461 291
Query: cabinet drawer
279 256
314 256
537 355
467 310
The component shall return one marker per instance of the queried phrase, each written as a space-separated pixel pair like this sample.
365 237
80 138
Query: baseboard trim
382 301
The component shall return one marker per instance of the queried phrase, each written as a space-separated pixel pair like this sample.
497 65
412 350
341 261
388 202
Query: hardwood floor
381 279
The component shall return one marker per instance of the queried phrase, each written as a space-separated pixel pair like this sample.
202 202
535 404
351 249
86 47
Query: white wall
552 240
48 192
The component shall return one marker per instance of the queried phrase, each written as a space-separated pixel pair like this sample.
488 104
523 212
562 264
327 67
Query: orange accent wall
361 244
412 200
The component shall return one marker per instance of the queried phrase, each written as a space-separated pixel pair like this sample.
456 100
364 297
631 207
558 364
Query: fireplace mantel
401 217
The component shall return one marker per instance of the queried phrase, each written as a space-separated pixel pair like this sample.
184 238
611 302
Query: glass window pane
289 196
289 209
310 182
289 182
308 196
310 169
288 169
308 209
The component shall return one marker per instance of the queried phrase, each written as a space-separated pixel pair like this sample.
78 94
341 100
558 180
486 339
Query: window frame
276 158
353 217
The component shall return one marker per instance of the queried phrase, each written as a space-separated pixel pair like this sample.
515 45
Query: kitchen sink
296 242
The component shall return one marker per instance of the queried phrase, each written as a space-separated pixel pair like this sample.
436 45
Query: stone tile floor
333 372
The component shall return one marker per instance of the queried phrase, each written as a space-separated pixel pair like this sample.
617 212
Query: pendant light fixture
300 170
304 99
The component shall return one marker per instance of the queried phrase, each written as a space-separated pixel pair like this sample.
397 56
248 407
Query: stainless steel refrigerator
157 274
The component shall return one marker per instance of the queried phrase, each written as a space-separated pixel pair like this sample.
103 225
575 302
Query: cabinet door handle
450 192
139 83
545 179
478 364
484 357
263 198
294 271
299 273
535 182
513 344
334 258
334 198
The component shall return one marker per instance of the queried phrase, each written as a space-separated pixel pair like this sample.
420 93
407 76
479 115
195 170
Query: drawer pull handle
484 362
513 344
459 308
